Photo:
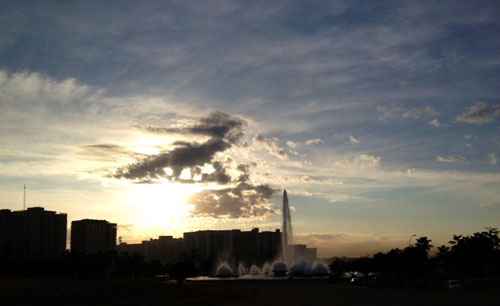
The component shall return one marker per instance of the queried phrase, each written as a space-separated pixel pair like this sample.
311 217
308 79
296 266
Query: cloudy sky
381 118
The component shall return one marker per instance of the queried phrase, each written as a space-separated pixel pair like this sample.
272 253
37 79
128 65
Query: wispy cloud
107 151
315 141
479 113
291 144
272 146
450 159
353 140
418 113
362 161
401 112
435 123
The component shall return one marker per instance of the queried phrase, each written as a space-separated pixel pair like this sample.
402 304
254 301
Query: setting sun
160 208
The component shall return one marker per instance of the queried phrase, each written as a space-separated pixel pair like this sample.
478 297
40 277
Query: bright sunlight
161 208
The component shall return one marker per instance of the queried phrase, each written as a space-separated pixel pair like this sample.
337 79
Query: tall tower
287 233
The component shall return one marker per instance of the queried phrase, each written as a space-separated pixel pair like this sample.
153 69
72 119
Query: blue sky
381 117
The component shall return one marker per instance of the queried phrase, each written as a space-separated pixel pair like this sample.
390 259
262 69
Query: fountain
305 269
287 233
320 269
224 270
279 268
301 268
267 269
254 270
242 270
290 263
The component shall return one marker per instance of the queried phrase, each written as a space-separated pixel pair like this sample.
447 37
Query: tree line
464 257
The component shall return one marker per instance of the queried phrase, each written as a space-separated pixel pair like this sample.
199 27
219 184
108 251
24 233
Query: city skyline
380 119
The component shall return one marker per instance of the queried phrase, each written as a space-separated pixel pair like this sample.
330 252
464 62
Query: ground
206 293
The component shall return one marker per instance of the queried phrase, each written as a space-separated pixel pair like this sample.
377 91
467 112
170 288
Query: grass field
206 293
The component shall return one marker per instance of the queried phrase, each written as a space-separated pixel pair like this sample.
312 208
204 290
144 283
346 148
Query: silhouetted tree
339 266
423 244
475 255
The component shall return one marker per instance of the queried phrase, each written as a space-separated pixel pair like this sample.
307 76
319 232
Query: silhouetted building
233 245
132 248
311 254
269 244
210 245
32 233
92 236
300 252
165 249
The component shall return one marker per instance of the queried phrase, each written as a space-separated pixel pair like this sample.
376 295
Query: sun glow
147 145
161 209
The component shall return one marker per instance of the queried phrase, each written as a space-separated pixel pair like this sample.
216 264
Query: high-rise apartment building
165 249
251 247
34 233
92 236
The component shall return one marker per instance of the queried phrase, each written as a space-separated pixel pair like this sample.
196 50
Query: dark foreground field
206 293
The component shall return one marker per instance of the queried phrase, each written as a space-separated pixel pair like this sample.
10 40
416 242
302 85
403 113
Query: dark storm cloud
242 201
480 113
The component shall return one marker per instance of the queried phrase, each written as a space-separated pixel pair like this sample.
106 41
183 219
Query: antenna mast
24 197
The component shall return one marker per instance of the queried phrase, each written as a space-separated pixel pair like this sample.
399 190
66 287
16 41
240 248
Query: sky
380 118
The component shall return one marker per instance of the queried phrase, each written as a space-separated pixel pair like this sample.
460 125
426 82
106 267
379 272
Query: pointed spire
286 234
